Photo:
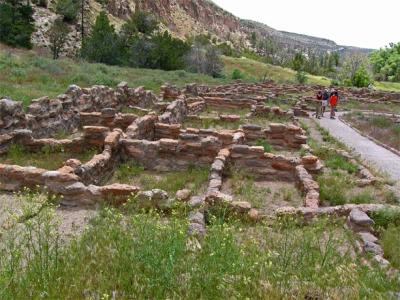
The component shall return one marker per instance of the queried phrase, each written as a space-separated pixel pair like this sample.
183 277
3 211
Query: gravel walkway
378 156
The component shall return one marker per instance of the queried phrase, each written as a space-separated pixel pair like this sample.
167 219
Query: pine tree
58 33
16 23
103 44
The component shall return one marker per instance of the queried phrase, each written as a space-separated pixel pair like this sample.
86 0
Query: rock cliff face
192 17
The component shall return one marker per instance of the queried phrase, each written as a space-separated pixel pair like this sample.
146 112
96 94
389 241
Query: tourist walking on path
334 100
318 105
325 98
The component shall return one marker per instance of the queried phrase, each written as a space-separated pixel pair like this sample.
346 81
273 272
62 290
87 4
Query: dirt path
381 158
71 220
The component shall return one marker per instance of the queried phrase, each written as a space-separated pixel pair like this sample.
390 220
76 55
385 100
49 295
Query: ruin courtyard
251 151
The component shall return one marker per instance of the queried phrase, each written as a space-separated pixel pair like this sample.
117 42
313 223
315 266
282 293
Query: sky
361 23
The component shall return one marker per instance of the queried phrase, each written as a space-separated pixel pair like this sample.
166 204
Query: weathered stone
384 264
309 160
241 206
254 215
360 218
217 166
196 201
218 198
368 237
183 195
373 248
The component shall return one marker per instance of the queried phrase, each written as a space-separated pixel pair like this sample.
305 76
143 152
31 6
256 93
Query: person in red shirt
333 101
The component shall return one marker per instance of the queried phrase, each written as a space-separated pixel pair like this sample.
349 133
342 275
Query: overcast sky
362 23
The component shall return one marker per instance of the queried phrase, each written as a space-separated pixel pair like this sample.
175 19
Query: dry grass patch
382 128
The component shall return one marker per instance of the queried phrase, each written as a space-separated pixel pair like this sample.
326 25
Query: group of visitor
324 99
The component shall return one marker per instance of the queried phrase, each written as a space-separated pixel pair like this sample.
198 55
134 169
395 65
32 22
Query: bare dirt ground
71 220
266 195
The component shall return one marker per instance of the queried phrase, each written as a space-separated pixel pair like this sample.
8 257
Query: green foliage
103 44
125 171
298 62
333 188
381 122
16 24
41 3
18 155
386 63
361 78
167 52
204 59
228 50
142 22
237 74
386 217
336 161
354 71
364 197
68 9
57 33
267 146
390 241
131 172
253 39
301 77
147 256
26 76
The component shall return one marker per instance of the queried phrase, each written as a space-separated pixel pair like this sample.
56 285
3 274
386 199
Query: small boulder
183 195
360 218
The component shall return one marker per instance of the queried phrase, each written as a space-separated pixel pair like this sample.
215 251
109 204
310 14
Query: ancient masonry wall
45 117
156 141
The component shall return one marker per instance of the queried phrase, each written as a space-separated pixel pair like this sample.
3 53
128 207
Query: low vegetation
25 76
17 155
262 195
251 70
387 223
382 128
146 256
208 123
195 179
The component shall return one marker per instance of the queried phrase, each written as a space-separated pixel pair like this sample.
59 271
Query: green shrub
301 77
125 171
267 146
364 197
385 63
333 188
390 241
361 78
41 3
68 9
237 74
103 44
336 162
386 217
151 257
396 130
381 122
16 24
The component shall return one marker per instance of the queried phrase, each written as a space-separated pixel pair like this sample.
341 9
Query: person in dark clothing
325 98
318 105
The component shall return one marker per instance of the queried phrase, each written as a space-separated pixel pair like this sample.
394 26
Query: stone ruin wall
156 141
45 116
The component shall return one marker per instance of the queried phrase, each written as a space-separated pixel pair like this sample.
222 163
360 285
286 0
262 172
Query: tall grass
18 155
25 76
149 257
194 178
